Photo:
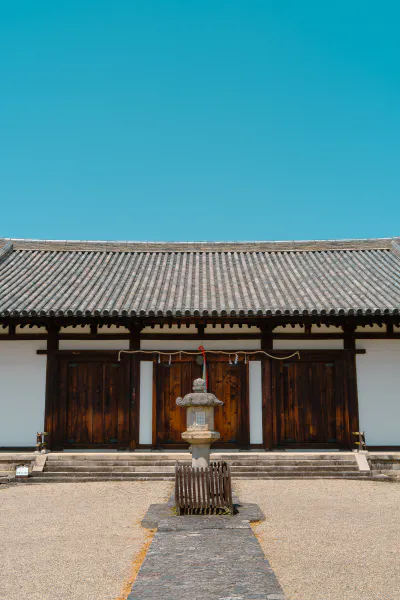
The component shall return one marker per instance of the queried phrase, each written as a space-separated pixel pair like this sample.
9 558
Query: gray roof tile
154 279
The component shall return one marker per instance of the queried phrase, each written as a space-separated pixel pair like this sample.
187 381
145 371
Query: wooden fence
203 491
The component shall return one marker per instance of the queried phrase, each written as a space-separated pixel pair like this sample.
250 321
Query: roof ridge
204 246
396 246
6 250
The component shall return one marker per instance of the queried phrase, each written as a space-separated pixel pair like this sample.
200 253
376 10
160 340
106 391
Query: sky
201 120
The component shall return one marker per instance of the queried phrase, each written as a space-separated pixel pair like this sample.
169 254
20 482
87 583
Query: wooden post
266 382
134 386
51 386
349 345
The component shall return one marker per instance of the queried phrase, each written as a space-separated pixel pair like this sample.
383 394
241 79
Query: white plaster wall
255 401
231 330
371 328
113 329
194 344
94 344
323 329
22 392
289 329
168 330
30 330
75 330
308 344
146 402
378 379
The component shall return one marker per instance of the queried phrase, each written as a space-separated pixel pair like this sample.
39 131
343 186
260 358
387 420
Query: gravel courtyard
72 541
330 540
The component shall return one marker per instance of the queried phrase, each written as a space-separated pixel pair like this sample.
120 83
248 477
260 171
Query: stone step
64 478
89 464
280 475
293 468
285 463
105 474
108 469
239 473
171 469
88 478
132 457
171 463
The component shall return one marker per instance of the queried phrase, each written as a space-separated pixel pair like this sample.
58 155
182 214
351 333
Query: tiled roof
49 278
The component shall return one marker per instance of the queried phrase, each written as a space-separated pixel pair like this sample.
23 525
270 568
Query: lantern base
200 442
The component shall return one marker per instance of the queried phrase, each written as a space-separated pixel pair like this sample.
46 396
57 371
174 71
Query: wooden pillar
266 382
51 386
349 345
134 386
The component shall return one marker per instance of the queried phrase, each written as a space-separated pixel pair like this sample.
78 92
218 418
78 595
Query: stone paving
205 558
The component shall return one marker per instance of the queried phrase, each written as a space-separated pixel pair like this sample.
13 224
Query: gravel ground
72 541
330 540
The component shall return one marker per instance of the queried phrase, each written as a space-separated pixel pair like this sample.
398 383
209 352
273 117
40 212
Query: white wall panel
255 393
308 344
22 392
194 344
146 402
378 379
94 344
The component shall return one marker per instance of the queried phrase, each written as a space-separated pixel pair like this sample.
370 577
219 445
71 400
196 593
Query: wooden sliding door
227 382
94 407
311 400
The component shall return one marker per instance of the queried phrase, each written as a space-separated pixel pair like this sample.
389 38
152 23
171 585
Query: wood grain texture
92 410
311 400
227 382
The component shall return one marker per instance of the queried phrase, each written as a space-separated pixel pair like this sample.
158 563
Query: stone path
205 558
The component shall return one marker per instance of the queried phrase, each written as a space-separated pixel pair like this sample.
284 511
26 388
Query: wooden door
92 398
227 382
173 381
310 402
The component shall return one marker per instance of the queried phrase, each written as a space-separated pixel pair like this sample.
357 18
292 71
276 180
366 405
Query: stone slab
203 563
158 513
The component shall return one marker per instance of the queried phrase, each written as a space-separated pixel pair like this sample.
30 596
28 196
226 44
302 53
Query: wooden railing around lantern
203 491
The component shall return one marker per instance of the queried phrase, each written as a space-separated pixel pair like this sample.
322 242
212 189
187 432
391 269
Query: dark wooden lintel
146 356
295 337
335 321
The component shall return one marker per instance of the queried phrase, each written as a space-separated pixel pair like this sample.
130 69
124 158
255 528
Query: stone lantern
200 432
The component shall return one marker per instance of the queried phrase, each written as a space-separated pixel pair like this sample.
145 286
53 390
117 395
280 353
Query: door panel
111 400
95 411
227 382
308 399
173 381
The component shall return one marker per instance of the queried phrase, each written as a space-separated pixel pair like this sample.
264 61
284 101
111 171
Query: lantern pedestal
200 442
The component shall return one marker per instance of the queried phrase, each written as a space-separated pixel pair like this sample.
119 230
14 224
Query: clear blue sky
199 120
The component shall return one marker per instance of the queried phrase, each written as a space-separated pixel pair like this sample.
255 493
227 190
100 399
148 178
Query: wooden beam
133 365
51 384
349 340
266 383
144 356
